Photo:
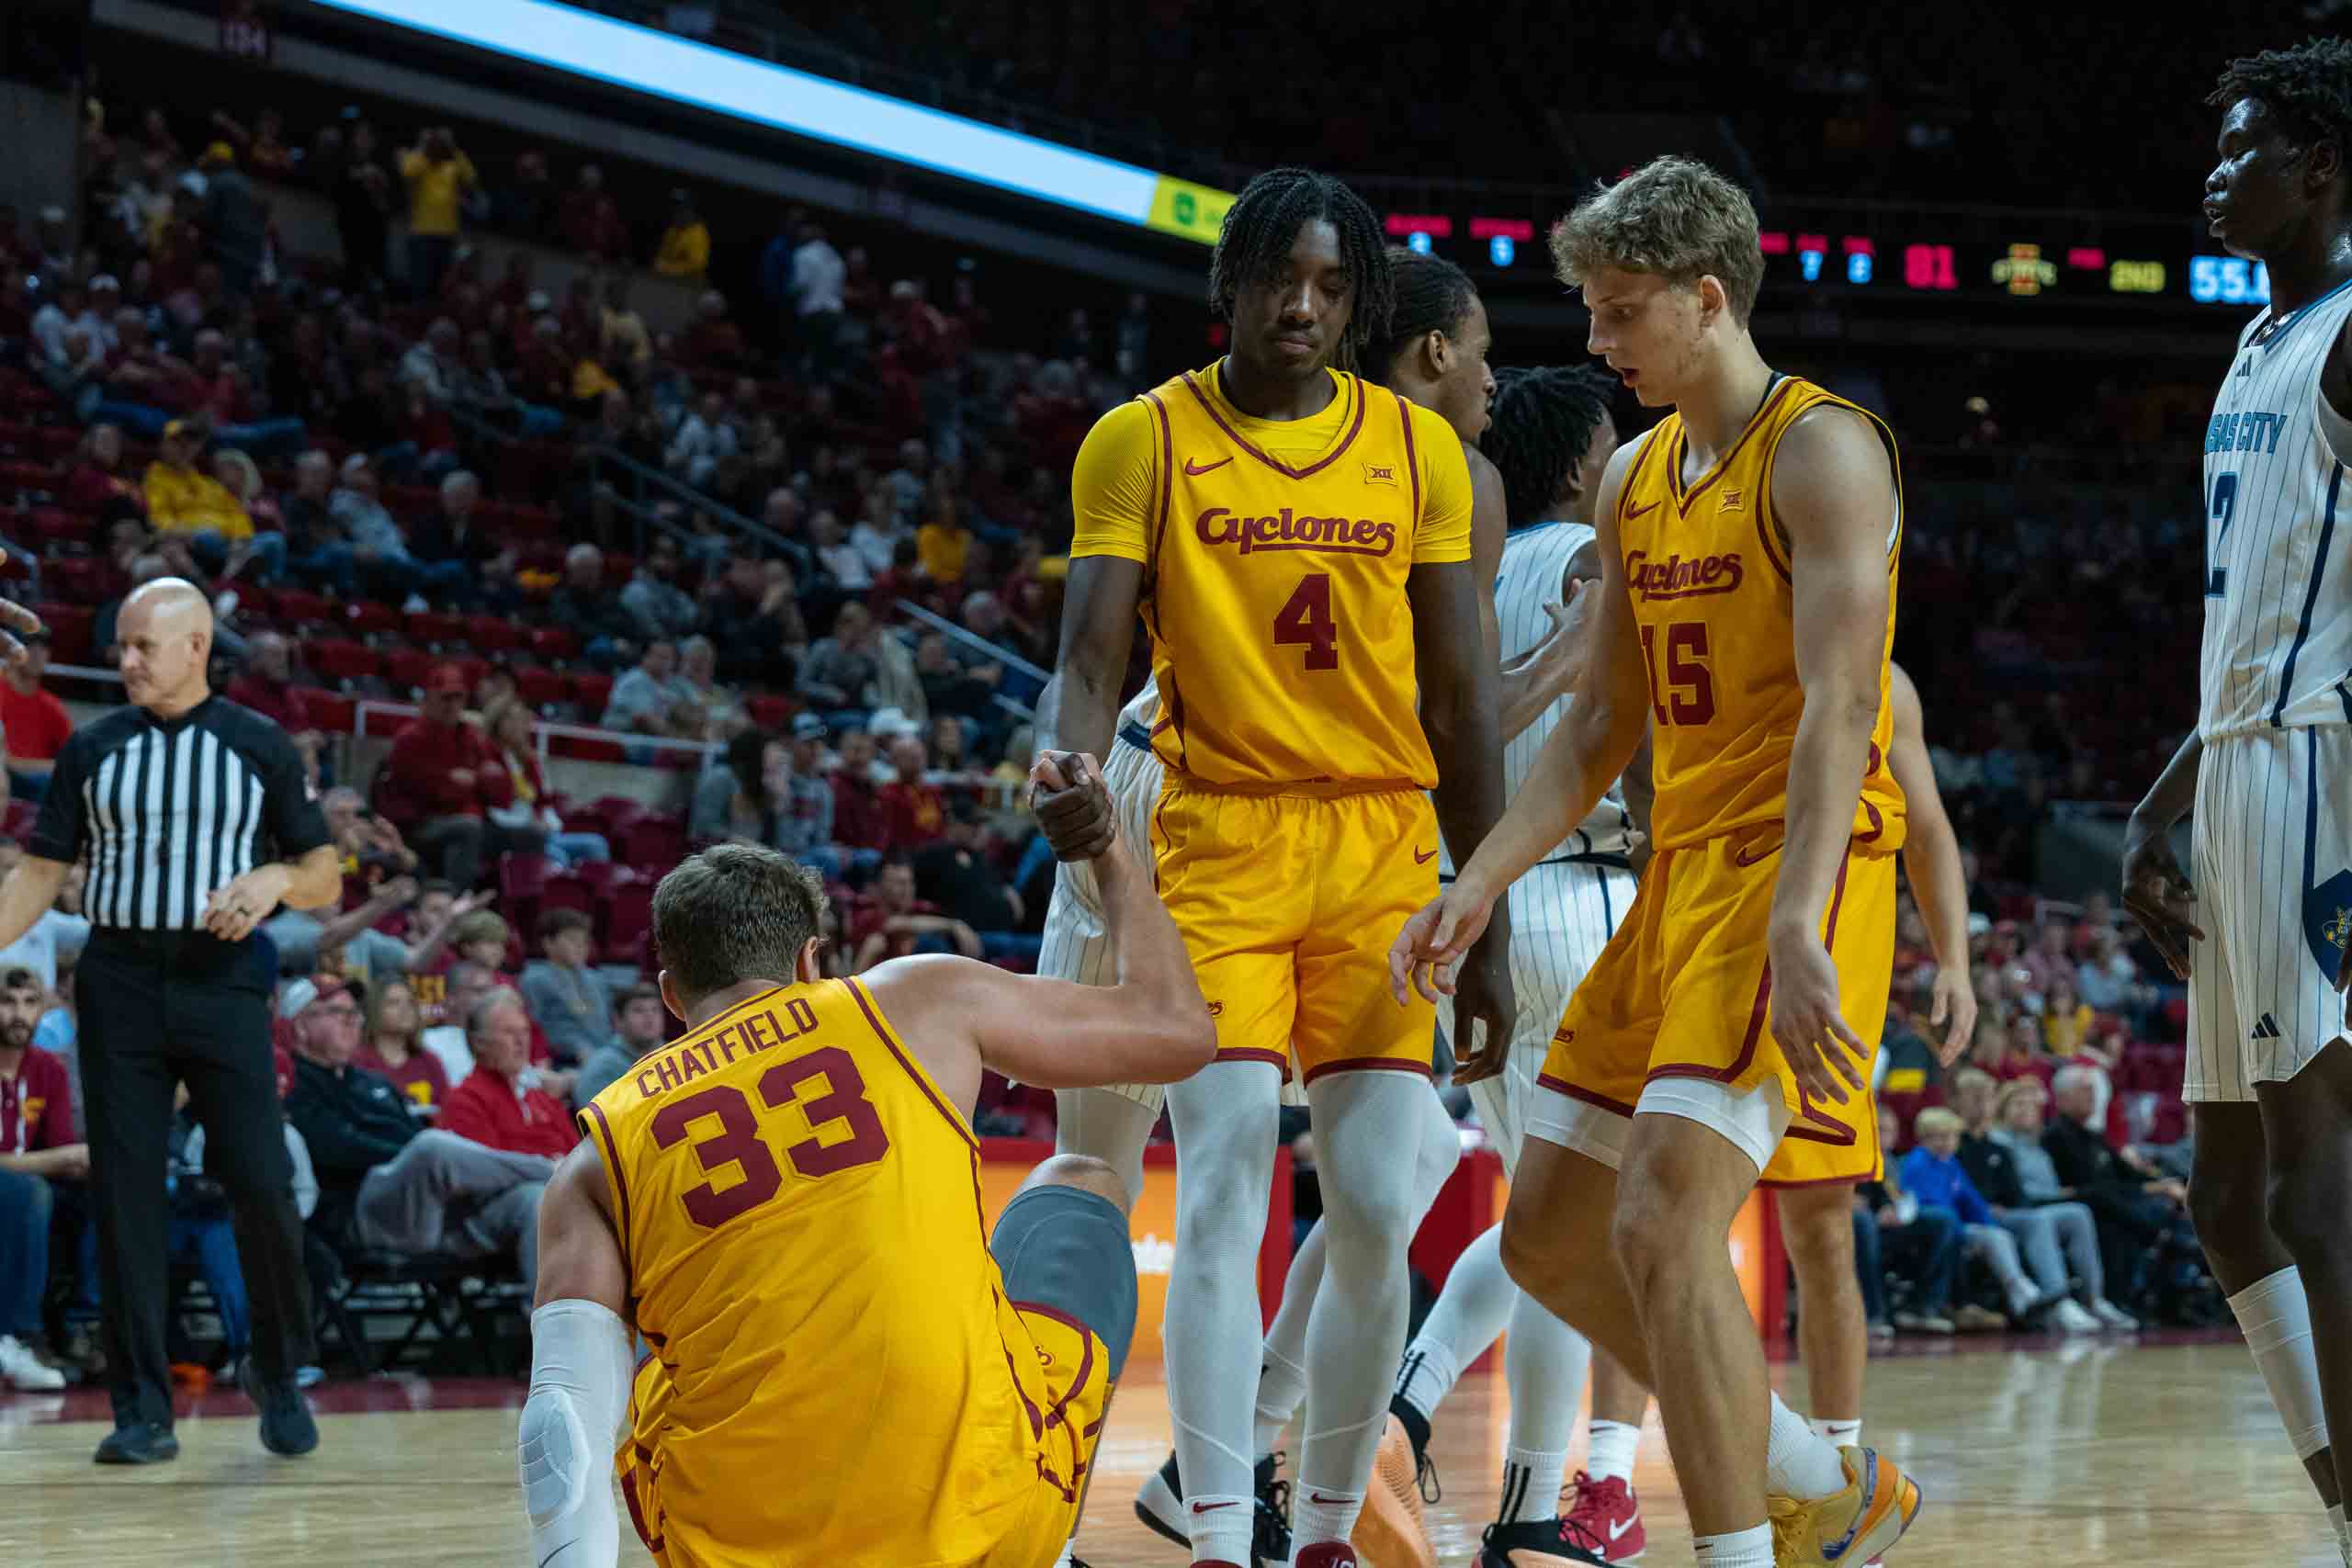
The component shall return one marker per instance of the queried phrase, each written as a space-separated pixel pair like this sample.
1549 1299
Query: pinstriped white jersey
2278 643
1535 568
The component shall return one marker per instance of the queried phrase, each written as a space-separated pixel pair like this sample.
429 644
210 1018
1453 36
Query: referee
197 824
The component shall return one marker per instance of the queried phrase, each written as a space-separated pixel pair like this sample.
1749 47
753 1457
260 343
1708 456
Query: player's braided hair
1432 295
2309 88
1262 225
1543 421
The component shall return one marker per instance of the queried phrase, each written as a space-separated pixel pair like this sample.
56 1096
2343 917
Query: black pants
158 1010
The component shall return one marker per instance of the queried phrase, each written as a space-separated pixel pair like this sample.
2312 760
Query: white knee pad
580 1381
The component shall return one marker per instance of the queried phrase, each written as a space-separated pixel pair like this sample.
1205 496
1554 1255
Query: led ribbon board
702 77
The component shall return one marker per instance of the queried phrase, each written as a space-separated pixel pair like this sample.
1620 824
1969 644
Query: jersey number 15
737 1141
1682 689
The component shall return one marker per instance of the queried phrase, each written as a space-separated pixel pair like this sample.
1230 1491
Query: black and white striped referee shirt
172 810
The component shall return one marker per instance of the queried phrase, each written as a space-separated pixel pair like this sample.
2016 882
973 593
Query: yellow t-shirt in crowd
434 189
684 253
182 500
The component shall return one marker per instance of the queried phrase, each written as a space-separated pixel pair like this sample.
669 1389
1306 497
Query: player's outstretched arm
581 1362
2155 890
1552 669
1151 1026
1834 494
1932 857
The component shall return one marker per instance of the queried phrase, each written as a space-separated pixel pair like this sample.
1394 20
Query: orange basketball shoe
1390 1533
1852 1526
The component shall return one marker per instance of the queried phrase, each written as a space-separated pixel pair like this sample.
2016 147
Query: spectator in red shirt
37 1149
713 343
861 819
439 778
267 687
891 922
393 1049
34 722
97 483
914 813
588 218
500 1105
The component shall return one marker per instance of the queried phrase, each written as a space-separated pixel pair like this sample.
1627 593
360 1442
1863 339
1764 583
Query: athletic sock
1422 1383
1615 1444
1531 1487
1220 1528
1740 1549
1319 1517
1838 1434
1797 1463
1281 1386
2276 1318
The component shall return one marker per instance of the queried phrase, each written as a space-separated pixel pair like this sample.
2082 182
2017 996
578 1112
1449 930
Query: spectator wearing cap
502 1105
386 1183
508 722
35 724
38 1152
570 1002
441 778
655 603
643 1022
585 606
684 250
184 498
438 176
266 686
235 220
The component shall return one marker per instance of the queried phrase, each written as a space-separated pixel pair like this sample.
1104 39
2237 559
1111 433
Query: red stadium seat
602 877
588 750
491 633
79 579
69 631
542 688
331 710
54 526
295 607
524 876
339 660
447 631
591 692
770 711
367 616
651 845
629 922
554 643
408 668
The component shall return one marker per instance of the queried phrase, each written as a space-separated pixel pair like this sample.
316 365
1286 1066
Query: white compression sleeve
580 1371
1111 1127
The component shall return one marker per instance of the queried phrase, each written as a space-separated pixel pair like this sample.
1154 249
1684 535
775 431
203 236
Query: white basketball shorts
1562 915
2273 875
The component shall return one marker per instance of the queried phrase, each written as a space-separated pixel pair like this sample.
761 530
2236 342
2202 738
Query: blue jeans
569 850
825 859
26 1205
537 421
331 566
1012 944
264 437
213 1245
1928 1251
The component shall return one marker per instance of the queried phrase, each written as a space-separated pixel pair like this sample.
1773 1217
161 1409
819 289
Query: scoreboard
2140 262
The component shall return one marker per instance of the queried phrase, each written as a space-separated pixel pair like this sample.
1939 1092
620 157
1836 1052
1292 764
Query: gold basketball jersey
799 1208
1275 593
1707 568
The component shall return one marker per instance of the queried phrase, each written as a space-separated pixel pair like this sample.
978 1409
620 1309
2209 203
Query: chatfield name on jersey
748 1036
1675 578
1285 530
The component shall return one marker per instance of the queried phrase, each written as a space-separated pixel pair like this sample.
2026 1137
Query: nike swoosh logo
1420 858
1637 511
1318 1497
1617 1527
1195 467
1742 857
1211 1507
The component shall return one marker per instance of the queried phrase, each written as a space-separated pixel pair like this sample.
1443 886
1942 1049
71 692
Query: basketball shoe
1532 1543
1603 1518
1390 1532
1852 1526
1160 1506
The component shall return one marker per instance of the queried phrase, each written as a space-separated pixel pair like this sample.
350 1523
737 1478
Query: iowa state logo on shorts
2327 920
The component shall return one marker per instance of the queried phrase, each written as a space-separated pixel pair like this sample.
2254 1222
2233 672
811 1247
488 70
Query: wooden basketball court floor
2093 1451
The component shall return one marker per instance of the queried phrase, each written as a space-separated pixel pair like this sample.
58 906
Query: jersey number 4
737 1141
2226 503
1305 617
1682 689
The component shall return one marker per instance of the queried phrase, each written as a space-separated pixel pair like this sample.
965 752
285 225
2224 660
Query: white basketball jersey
2277 648
1142 710
1527 588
